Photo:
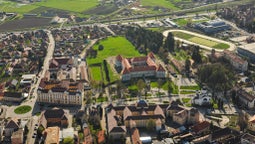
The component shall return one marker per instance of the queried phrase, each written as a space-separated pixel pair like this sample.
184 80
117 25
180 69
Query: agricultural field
78 6
201 41
159 3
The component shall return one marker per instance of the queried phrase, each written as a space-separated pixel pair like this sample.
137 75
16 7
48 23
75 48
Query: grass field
67 5
112 47
8 6
95 72
201 41
195 87
160 3
70 5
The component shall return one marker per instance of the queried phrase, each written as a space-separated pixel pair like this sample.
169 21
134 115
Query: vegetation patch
192 87
159 3
22 109
95 72
201 41
186 92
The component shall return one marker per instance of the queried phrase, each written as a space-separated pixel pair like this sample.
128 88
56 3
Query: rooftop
52 135
249 47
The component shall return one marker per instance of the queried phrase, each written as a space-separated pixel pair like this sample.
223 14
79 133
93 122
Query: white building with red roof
144 66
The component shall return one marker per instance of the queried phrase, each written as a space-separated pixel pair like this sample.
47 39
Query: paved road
232 46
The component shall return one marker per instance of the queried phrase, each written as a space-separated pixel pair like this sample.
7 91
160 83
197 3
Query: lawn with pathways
201 41
22 109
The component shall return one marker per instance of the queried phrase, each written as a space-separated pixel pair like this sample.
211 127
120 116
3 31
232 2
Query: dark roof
118 129
223 132
118 108
13 94
246 95
58 89
249 137
201 126
12 124
142 103
54 113
141 117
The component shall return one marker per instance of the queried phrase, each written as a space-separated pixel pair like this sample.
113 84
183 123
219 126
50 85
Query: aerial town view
127 71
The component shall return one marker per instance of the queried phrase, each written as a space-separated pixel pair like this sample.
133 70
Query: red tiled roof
151 55
119 58
143 68
135 136
139 59
160 68
100 137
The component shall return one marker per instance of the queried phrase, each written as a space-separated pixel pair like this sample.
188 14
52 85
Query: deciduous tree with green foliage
140 86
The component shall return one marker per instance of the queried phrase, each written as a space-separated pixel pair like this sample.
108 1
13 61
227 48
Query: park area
200 40
113 46
159 3
22 109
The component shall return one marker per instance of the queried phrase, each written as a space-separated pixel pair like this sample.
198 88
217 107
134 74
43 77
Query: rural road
231 48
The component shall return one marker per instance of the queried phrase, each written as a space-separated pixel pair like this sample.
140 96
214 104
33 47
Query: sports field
95 72
201 41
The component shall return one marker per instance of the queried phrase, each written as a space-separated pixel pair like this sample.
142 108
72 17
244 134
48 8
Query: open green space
70 5
159 3
201 41
95 72
113 46
192 87
8 6
66 5
22 109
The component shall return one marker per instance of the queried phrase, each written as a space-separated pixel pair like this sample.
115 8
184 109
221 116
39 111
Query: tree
196 56
160 83
169 43
140 86
187 65
100 47
151 125
68 140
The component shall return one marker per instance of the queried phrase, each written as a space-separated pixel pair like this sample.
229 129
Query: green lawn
186 100
181 21
70 5
95 72
15 7
187 92
112 47
194 87
160 3
22 109
201 41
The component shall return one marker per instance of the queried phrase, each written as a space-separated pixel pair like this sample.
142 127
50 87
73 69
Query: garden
22 109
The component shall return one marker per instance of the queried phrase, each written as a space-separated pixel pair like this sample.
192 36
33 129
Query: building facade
139 67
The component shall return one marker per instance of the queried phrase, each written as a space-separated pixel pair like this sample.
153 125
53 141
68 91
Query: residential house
251 124
246 98
51 135
17 137
139 67
236 61
101 137
248 139
135 136
87 135
54 117
12 126
12 97
202 98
